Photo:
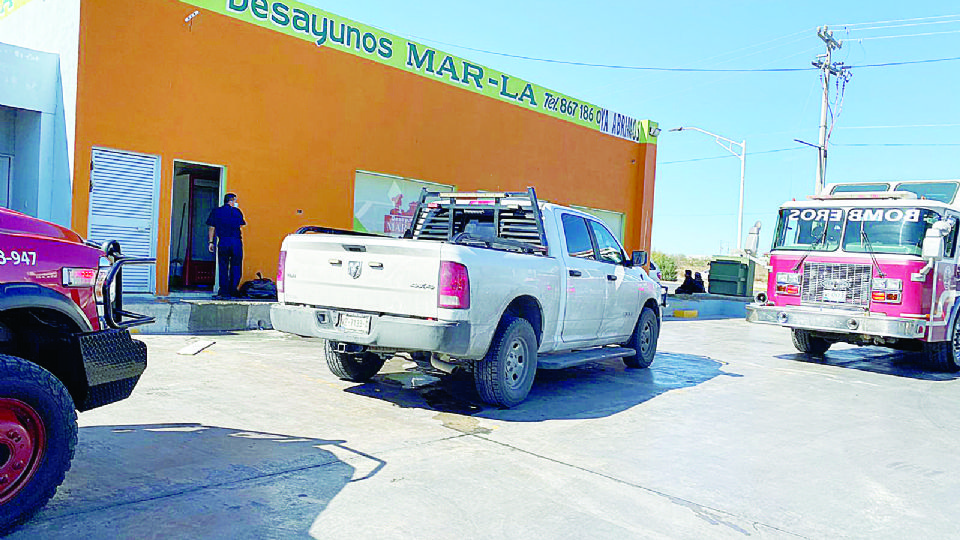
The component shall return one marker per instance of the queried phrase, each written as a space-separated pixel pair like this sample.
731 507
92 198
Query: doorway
196 192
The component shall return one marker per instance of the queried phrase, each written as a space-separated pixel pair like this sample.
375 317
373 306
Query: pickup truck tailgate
380 275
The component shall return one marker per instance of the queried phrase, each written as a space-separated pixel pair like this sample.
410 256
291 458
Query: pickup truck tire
355 367
643 340
38 436
809 344
505 375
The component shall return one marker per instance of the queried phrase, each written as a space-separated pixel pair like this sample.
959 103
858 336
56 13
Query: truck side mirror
639 258
753 239
933 244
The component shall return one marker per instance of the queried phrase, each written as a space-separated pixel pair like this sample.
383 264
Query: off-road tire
809 344
944 355
352 366
643 340
505 375
47 397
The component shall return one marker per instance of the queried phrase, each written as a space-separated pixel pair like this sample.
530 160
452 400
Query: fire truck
65 346
868 264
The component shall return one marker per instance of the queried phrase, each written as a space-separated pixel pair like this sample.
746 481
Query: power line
678 70
727 156
902 126
906 63
896 144
951 21
922 34
614 66
898 20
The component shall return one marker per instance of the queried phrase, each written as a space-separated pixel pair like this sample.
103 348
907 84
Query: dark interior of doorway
196 192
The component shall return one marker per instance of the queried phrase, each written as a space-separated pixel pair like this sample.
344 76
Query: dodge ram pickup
497 284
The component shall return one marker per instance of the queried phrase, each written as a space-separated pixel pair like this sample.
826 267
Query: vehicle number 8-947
17 258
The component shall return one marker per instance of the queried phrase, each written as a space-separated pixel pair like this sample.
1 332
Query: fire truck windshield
889 230
809 229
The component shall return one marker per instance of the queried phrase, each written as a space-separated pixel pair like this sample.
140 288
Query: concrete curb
201 316
707 306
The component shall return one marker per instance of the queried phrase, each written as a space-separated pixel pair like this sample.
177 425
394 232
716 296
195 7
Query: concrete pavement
730 434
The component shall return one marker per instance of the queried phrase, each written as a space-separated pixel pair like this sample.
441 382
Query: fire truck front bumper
837 321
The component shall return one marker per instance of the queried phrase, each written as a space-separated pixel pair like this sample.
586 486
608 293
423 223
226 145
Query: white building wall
51 26
39 42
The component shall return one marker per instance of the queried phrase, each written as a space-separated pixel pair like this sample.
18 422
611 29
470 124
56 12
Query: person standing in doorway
224 233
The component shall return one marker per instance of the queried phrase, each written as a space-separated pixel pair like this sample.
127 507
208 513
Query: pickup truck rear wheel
355 367
644 340
505 375
809 344
38 435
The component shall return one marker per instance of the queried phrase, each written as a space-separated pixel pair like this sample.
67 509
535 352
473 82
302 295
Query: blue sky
899 122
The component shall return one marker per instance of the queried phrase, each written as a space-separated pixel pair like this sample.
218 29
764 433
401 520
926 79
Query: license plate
834 296
355 323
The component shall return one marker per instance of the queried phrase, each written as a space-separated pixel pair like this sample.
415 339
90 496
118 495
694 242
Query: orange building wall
291 123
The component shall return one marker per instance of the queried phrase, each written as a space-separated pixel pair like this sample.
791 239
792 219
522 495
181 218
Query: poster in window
385 204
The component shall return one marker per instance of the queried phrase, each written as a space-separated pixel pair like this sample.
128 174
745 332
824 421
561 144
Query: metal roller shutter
123 207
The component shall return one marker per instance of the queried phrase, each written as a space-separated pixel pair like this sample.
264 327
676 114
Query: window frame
566 245
596 243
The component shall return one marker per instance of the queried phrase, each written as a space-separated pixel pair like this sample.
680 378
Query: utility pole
825 64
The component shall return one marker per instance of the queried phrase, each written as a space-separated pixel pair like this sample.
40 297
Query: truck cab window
577 237
607 245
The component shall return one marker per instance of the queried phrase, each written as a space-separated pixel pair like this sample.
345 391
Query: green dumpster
731 276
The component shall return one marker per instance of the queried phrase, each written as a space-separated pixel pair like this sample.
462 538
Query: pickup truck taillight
454 290
280 265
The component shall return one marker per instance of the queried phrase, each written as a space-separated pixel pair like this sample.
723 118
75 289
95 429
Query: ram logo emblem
354 268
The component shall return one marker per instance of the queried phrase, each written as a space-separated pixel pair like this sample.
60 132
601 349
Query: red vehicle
869 264
64 346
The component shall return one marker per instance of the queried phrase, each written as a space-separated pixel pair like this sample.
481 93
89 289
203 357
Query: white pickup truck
495 283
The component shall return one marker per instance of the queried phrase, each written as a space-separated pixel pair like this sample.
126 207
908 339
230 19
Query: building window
384 204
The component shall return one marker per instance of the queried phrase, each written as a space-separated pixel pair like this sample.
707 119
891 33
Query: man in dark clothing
225 223
688 285
698 285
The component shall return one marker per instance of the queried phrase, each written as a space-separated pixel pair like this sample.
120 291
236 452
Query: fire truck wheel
38 435
943 355
809 344
353 367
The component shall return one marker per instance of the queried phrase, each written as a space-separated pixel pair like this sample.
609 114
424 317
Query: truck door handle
575 273
611 277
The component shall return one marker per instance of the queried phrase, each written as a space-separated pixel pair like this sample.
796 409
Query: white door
586 282
623 290
5 163
123 207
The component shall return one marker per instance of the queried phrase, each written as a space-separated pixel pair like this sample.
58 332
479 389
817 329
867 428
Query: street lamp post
728 145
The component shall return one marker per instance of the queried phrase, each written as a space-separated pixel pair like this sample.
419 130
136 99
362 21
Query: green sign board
328 30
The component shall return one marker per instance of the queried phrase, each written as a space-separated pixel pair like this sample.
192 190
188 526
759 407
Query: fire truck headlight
788 278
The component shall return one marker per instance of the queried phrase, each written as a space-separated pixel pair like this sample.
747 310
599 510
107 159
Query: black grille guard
113 312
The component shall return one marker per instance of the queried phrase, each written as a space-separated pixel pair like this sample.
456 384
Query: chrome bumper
386 331
837 321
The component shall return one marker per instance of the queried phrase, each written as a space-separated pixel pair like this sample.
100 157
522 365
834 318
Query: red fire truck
64 347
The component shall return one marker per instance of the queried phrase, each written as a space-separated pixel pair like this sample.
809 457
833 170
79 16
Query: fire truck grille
836 284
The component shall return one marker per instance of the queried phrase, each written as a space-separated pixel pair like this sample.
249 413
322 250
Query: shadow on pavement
195 481
592 390
876 360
